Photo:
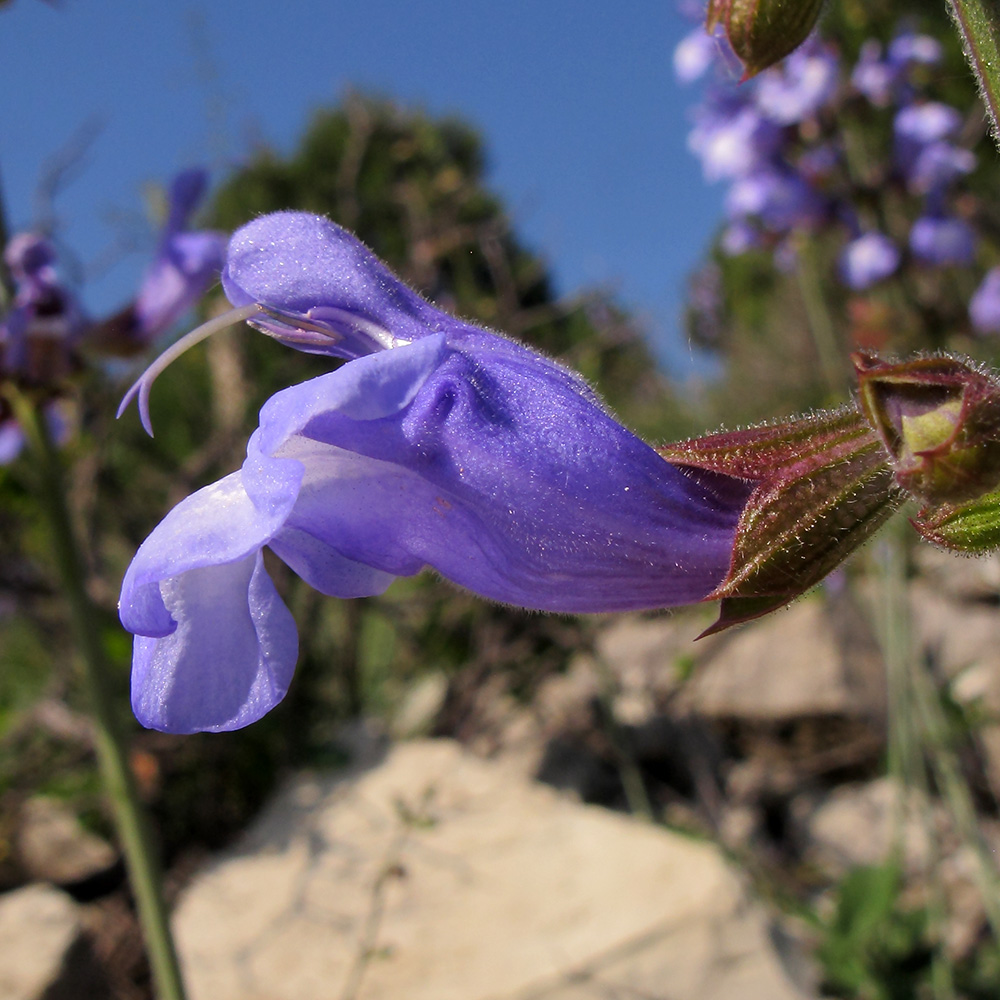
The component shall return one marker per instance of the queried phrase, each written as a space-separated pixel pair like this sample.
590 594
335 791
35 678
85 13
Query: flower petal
217 525
500 471
306 266
230 659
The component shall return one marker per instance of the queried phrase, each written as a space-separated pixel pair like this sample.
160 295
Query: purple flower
984 306
803 83
739 237
873 76
694 54
884 80
39 332
918 125
908 48
731 137
942 240
184 267
779 198
186 263
868 259
437 445
936 165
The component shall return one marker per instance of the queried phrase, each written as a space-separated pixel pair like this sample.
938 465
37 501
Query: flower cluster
783 143
437 445
44 332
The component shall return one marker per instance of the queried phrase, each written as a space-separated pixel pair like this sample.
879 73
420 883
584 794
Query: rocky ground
661 820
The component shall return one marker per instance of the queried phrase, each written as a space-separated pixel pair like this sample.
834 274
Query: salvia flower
38 336
437 445
803 84
943 240
185 265
873 76
694 55
867 259
984 306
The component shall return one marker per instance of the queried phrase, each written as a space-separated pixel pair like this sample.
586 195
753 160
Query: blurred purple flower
868 259
44 322
184 267
942 240
818 162
918 125
694 55
884 81
936 165
739 237
437 444
730 137
873 76
779 198
800 86
984 306
907 48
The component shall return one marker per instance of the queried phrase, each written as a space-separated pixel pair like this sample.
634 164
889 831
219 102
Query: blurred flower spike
763 32
45 335
438 445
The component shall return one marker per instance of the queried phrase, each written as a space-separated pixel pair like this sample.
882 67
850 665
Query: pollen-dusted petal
230 659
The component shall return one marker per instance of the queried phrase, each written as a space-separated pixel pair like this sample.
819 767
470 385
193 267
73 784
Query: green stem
6 281
978 23
130 817
829 351
919 731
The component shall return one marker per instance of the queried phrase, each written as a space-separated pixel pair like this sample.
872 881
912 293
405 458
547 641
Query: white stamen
378 334
145 381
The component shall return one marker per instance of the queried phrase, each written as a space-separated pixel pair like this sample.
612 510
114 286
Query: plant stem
130 817
829 352
978 24
6 282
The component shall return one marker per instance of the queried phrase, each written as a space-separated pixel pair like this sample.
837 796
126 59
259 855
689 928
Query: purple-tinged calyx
821 487
939 420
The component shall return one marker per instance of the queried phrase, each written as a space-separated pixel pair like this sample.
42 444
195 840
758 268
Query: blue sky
584 123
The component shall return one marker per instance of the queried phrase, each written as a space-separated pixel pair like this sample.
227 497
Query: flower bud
939 419
763 32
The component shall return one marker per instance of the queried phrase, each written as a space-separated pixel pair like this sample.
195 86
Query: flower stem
829 352
978 24
130 817
6 281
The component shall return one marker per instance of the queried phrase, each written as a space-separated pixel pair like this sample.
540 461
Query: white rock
438 876
795 663
38 926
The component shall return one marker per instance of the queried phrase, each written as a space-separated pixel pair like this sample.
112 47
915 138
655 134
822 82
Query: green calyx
763 32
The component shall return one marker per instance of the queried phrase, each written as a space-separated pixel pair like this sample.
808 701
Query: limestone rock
439 876
38 927
815 659
52 846
856 825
